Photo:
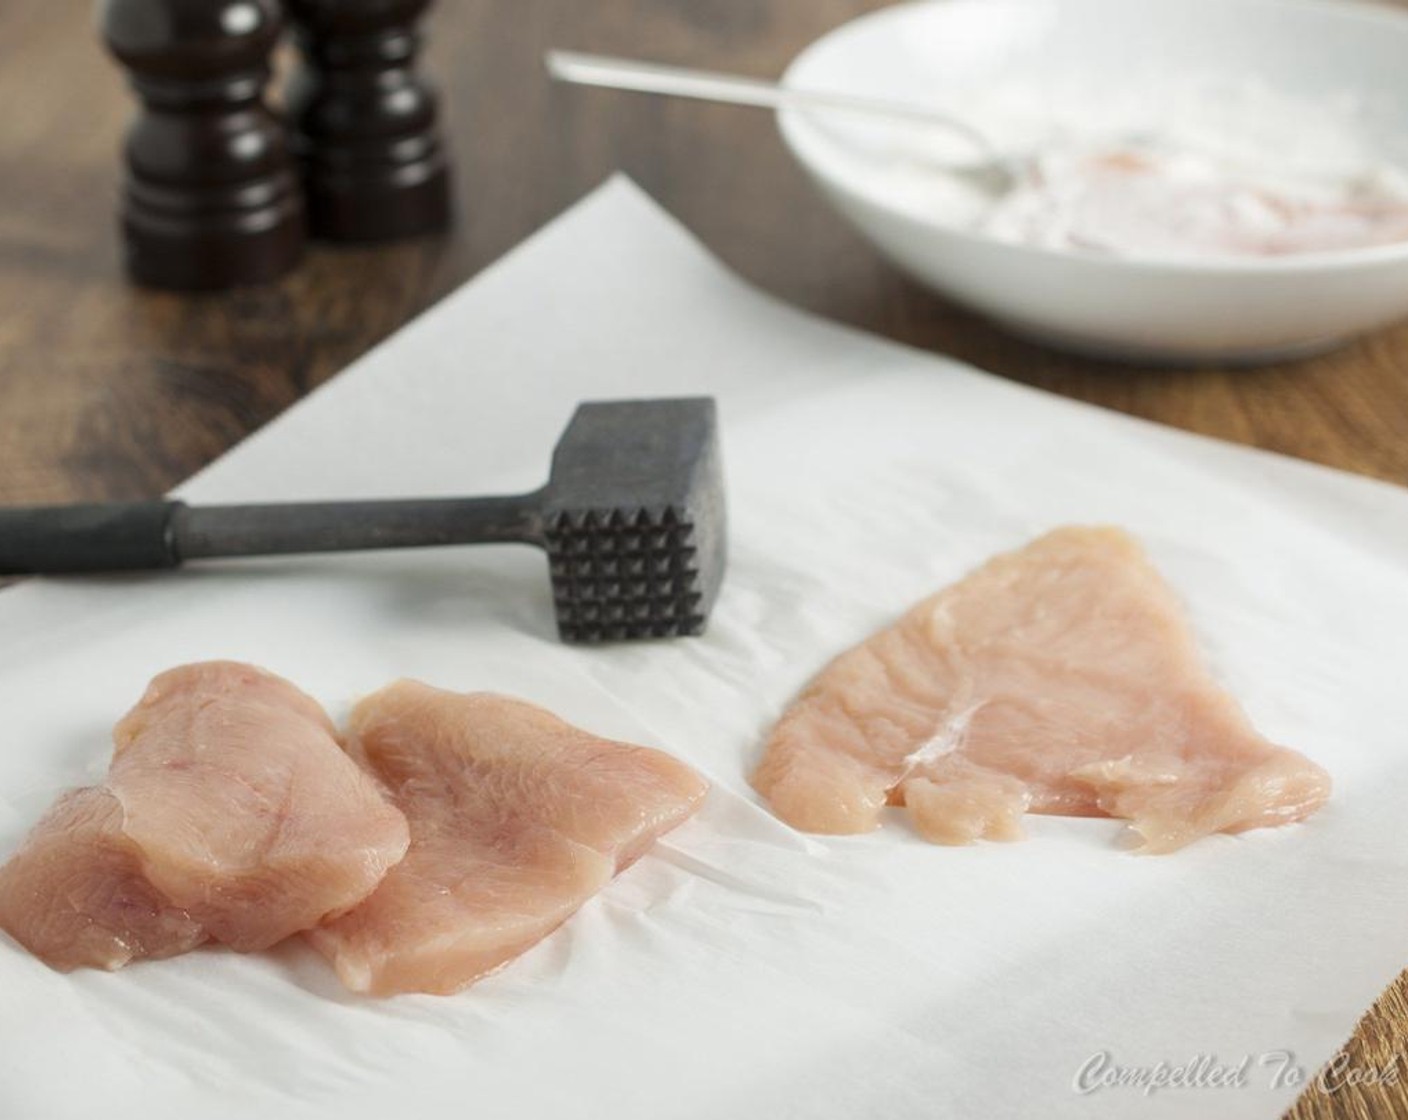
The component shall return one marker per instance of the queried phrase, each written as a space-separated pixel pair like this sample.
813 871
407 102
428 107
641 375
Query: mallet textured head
634 520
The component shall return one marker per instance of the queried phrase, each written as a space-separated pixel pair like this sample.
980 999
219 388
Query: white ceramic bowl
1241 310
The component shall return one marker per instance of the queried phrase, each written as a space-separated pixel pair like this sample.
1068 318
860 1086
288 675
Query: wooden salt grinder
365 125
211 197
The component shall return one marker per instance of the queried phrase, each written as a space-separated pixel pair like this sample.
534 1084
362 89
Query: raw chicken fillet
1061 678
75 896
247 812
230 811
517 818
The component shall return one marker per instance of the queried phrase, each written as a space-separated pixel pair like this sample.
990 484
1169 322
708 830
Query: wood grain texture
109 392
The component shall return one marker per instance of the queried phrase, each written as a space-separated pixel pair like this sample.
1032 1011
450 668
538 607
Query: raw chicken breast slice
75 896
245 809
1062 678
517 818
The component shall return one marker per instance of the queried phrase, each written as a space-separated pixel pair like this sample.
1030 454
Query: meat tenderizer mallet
632 519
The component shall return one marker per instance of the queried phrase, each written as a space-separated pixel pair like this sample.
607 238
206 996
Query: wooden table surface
109 392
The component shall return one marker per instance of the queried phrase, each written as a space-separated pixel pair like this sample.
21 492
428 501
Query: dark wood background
108 392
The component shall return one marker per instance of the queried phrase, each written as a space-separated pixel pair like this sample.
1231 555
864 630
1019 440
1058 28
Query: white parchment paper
744 970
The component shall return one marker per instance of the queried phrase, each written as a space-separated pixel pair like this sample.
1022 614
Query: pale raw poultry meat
75 895
230 811
517 819
246 810
1062 678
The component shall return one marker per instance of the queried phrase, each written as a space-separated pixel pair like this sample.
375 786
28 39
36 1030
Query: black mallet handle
130 536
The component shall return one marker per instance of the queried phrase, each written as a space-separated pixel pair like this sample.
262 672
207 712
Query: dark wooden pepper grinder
365 124
212 197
